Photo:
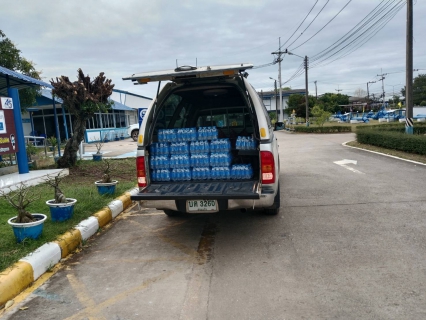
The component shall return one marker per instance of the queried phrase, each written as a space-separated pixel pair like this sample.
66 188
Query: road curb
382 154
23 273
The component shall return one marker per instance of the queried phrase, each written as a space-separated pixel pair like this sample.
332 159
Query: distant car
133 131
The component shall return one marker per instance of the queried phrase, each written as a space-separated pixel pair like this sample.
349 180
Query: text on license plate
201 205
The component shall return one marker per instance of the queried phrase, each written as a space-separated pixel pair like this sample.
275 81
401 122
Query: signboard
7 127
141 112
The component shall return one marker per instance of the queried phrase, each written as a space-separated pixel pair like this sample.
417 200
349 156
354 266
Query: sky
124 37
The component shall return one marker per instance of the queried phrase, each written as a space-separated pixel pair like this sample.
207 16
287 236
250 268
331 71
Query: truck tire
275 208
134 135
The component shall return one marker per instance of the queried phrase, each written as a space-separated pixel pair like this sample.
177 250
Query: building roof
46 98
18 80
130 93
285 93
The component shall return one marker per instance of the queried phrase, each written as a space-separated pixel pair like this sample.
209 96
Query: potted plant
98 155
32 150
61 207
24 224
53 144
106 185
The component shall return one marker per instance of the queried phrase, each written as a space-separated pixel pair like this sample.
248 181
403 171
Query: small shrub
333 129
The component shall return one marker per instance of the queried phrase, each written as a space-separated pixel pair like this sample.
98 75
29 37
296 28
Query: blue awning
18 80
120 106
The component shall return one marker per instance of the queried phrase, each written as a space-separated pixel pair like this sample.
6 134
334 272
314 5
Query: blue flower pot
31 230
61 211
106 188
97 157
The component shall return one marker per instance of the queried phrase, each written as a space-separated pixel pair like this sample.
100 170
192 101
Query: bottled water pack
221 173
200 160
179 161
201 173
179 147
161 175
241 171
220 145
221 159
207 133
181 174
246 143
199 147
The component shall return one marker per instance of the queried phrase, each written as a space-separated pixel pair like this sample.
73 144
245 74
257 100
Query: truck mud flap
200 190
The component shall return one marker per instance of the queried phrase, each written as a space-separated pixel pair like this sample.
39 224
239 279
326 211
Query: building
271 99
40 121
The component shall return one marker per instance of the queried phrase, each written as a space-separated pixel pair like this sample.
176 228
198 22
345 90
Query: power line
310 23
323 26
299 25
365 36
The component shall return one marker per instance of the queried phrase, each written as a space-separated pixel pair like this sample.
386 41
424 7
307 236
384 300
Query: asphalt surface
348 243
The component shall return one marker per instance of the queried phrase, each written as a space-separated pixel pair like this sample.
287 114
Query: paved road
349 243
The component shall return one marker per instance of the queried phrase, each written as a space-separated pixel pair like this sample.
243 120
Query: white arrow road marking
343 163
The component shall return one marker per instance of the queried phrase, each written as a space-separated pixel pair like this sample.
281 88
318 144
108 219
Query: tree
10 58
419 89
297 103
321 116
360 93
82 98
332 102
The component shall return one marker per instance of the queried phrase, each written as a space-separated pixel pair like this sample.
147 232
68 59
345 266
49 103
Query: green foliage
419 128
423 103
321 116
10 57
273 116
331 102
393 140
297 103
332 129
419 89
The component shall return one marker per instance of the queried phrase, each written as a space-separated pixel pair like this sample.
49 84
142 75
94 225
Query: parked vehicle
133 131
206 143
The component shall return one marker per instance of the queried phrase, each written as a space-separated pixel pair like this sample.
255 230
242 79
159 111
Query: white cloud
124 37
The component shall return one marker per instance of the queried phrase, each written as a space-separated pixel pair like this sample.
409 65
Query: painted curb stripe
22 274
68 241
43 258
88 227
15 279
104 216
116 207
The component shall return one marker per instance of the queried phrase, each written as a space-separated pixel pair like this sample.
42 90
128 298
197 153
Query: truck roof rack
189 72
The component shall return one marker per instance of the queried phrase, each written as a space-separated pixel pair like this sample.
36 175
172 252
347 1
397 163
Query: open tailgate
214 190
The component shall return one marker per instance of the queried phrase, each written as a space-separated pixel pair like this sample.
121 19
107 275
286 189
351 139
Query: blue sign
142 112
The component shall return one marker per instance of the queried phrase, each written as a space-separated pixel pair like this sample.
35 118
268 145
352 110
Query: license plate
201 205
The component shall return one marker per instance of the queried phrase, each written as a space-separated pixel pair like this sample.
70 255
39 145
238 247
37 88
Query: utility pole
409 71
306 91
279 59
338 90
383 85
316 92
368 91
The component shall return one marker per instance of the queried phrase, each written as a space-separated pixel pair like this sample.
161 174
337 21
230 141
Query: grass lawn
347 124
79 185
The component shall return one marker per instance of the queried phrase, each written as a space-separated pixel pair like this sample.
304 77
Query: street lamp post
368 91
305 63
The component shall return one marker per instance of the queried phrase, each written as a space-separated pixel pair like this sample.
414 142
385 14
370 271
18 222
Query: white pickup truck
206 143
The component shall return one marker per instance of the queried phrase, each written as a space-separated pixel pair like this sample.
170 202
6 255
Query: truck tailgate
214 190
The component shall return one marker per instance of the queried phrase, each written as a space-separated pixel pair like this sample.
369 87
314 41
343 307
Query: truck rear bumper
229 195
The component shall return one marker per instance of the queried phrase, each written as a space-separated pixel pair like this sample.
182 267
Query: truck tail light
267 167
141 172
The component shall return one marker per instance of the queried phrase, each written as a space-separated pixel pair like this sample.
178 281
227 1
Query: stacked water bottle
187 154
246 143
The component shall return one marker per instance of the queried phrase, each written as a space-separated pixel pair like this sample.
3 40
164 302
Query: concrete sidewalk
114 149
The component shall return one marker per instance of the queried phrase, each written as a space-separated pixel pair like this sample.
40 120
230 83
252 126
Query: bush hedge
393 140
419 128
333 129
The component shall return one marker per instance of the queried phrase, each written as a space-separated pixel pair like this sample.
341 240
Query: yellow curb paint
104 216
125 199
15 279
68 241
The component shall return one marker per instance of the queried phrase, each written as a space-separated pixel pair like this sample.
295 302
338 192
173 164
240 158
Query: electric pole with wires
279 53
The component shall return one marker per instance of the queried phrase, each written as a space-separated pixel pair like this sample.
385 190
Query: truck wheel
172 213
275 208
134 135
